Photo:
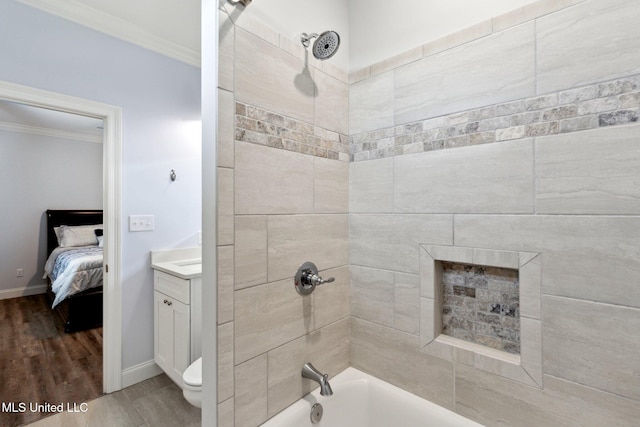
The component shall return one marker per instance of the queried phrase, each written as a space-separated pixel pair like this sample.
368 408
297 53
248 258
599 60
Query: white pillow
58 231
79 235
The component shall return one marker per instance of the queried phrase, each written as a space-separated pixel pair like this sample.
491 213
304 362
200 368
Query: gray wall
40 173
160 98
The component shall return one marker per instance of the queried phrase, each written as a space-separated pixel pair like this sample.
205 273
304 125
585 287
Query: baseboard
23 292
139 373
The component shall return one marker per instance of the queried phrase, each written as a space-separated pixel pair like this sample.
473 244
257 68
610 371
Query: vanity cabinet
177 323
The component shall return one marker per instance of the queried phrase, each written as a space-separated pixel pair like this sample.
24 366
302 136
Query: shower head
325 46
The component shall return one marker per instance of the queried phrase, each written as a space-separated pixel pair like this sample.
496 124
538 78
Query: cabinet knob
167 302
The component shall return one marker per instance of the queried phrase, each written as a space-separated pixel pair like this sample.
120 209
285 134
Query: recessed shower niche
481 308
481 304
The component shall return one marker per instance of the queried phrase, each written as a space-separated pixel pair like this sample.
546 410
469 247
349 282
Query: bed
74 282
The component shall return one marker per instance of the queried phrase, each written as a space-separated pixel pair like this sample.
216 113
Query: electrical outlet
20 272
141 222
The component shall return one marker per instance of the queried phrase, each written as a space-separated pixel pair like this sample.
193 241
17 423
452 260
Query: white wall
292 18
380 29
160 98
40 173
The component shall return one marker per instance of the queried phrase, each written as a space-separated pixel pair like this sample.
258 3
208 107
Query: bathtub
360 400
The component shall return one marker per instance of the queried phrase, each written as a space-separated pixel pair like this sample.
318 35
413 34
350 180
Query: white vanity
177 299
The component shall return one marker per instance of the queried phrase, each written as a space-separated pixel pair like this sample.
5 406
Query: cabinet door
171 336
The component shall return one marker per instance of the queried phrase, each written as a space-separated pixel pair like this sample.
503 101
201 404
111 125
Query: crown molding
116 27
53 133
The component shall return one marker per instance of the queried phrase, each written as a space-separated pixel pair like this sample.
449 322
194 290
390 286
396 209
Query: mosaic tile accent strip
610 103
262 127
481 305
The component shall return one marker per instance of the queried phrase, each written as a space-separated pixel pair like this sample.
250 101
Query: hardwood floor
41 364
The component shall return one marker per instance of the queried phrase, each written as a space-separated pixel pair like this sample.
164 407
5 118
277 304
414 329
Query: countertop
185 263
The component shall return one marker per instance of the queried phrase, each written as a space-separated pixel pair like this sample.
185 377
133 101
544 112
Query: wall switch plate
19 272
141 223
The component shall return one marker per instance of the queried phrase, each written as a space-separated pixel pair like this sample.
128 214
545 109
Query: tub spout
309 371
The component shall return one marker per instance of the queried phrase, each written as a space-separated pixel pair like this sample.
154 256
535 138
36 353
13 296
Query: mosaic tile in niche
481 305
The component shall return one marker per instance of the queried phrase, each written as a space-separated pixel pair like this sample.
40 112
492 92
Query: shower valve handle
307 278
315 280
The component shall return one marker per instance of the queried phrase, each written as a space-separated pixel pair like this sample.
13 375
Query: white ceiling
17 117
174 20
170 27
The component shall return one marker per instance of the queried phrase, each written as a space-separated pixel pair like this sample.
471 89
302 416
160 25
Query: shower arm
245 3
306 38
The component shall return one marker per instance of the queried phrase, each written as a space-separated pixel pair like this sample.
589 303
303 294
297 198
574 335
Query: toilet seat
192 383
192 376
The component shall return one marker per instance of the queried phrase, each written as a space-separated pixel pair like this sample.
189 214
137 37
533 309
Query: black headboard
56 218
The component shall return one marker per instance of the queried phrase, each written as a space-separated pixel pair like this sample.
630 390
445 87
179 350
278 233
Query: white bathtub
360 400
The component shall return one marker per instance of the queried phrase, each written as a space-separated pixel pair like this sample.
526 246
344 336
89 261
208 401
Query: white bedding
73 270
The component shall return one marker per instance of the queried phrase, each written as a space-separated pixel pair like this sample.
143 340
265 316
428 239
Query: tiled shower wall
517 178
282 200
521 138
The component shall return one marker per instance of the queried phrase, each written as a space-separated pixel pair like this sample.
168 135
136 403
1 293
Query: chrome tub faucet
309 371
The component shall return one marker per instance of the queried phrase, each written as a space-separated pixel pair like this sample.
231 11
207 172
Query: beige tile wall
493 400
472 77
574 174
226 226
290 87
276 210
602 34
492 178
595 258
374 100
394 356
572 197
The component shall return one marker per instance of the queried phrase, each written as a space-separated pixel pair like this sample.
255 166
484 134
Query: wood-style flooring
156 402
40 363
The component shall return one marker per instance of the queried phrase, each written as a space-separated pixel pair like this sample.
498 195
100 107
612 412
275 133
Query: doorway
112 165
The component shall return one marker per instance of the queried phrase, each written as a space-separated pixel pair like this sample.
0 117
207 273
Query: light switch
141 222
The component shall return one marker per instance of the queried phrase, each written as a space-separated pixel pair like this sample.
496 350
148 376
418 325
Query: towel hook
172 175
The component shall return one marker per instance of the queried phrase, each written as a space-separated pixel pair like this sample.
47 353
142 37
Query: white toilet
192 383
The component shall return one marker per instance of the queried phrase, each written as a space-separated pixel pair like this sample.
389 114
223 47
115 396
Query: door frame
112 196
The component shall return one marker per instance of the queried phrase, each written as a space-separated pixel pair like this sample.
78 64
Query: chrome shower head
325 46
